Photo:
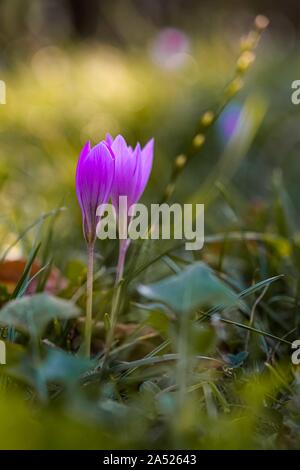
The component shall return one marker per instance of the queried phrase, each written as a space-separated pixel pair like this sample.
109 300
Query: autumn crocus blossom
132 171
94 178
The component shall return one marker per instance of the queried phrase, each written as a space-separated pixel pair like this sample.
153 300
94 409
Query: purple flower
229 120
132 169
170 49
94 178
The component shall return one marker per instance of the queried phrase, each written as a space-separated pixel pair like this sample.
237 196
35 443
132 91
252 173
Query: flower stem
124 244
114 316
89 300
243 63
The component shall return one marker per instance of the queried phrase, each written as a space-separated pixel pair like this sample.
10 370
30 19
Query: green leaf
236 360
38 221
259 285
149 387
32 314
59 367
159 321
63 367
193 287
22 285
4 294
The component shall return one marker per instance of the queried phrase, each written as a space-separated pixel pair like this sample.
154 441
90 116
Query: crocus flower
94 178
132 171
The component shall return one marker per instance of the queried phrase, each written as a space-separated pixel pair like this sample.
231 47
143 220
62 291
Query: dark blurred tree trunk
86 15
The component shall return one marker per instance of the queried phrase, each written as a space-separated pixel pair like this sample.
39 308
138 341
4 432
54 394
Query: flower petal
124 169
146 166
109 139
94 178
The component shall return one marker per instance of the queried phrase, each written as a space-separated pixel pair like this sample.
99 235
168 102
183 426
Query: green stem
124 244
146 361
113 322
89 300
113 318
182 365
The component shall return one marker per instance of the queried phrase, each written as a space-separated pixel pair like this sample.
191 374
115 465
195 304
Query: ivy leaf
64 367
194 287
